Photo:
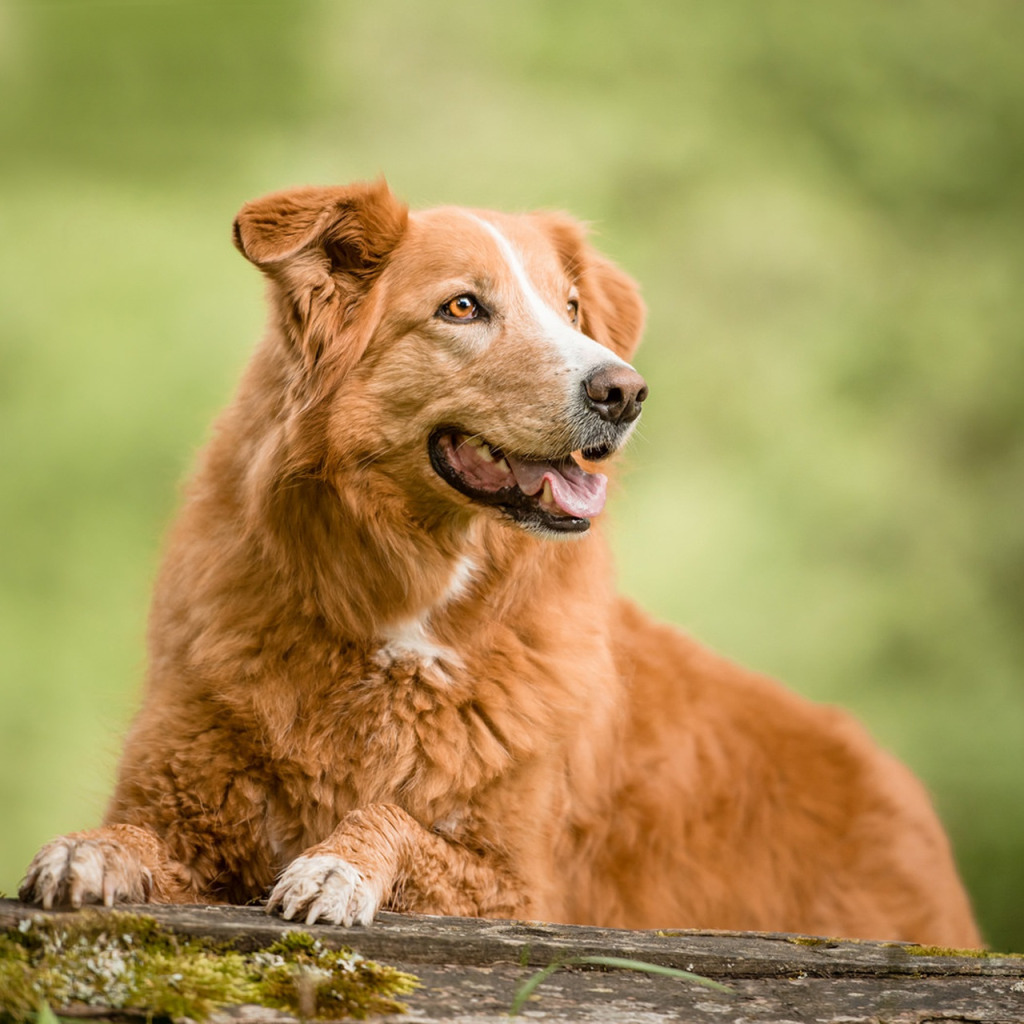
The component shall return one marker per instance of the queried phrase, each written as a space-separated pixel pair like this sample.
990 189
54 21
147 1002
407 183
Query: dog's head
470 360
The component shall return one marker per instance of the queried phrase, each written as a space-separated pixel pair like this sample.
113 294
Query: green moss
912 948
981 954
128 962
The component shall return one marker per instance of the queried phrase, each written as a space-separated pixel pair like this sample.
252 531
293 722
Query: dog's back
780 815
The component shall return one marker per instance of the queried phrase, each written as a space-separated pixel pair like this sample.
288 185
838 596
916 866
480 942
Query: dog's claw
109 890
314 911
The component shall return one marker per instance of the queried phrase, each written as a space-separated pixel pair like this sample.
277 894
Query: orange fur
366 679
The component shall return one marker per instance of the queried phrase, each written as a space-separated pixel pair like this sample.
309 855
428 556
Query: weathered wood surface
471 970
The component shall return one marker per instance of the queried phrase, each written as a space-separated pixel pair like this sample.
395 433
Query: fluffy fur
375 682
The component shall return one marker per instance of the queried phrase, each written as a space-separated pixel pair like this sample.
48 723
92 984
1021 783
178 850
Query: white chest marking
462 578
410 639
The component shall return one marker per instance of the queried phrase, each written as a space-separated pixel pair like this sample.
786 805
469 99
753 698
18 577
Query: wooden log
471 970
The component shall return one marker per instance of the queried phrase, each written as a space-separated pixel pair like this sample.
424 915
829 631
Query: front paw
74 871
324 887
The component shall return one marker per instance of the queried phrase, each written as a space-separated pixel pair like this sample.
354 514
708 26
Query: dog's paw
325 887
76 871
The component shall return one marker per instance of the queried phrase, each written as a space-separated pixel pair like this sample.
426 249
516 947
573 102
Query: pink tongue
575 491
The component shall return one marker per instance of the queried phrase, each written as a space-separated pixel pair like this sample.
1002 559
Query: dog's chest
393 728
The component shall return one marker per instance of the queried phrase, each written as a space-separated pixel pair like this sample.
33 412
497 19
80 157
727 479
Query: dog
387 664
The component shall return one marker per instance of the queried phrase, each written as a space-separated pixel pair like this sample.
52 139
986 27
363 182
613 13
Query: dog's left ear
322 248
611 310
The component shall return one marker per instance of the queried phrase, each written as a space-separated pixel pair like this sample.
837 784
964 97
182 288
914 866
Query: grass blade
617 962
527 988
622 963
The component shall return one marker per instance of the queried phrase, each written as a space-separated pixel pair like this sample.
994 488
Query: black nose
616 393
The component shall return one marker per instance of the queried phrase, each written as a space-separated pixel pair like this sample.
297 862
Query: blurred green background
823 203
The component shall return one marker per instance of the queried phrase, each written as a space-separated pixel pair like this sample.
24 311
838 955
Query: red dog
387 665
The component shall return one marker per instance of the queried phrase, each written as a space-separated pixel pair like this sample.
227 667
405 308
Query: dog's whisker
368 460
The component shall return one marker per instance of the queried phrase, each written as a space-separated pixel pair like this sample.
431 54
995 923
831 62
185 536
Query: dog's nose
616 393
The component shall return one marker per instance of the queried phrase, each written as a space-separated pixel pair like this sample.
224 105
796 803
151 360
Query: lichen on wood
126 962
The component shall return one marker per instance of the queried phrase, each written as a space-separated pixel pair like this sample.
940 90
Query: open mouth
552 494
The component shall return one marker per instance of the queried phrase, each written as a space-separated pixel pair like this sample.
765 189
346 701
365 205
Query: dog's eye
462 307
574 310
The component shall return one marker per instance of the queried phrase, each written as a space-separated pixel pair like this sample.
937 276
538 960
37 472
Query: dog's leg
116 863
380 855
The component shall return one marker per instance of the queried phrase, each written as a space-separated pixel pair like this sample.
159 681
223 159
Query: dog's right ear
322 248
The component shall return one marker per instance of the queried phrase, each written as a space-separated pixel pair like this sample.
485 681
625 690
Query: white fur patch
323 887
409 640
449 825
462 579
580 354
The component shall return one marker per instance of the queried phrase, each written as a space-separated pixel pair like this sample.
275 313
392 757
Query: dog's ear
611 310
322 248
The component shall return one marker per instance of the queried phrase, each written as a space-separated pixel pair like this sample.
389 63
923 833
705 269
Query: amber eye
574 310
462 307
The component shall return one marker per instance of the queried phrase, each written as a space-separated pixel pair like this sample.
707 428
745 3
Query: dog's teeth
474 442
484 451
546 497
503 464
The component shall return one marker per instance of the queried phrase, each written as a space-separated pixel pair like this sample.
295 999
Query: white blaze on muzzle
579 354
